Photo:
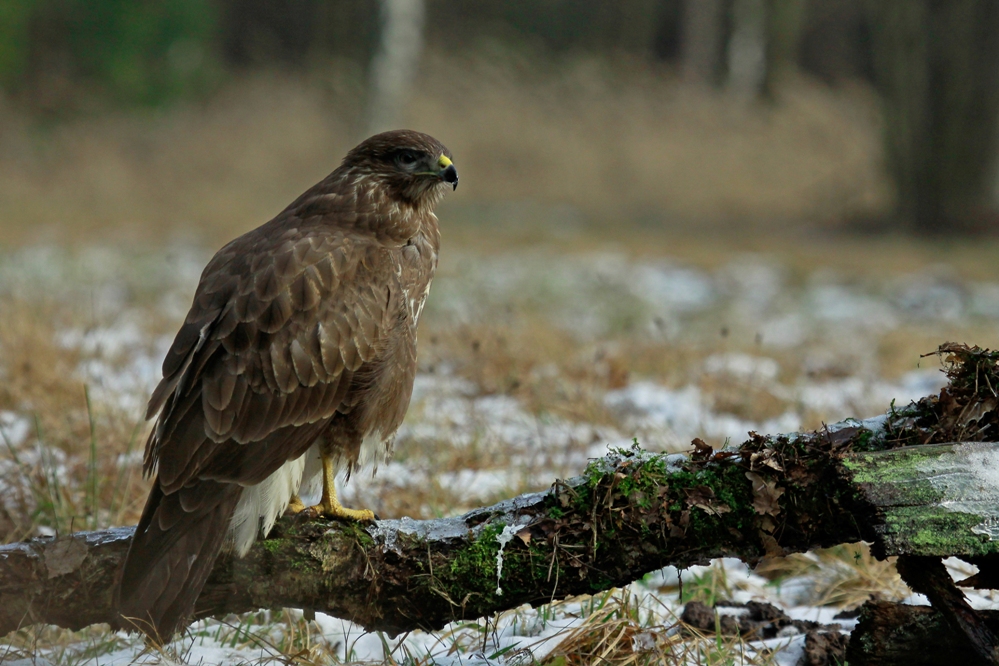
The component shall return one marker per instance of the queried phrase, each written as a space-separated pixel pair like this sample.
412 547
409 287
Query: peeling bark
894 480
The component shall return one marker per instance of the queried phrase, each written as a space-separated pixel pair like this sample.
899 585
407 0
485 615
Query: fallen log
890 634
928 576
910 482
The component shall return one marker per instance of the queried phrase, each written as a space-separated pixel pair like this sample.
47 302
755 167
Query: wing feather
248 305
276 314
329 348
242 337
266 283
286 265
305 290
302 362
307 316
283 368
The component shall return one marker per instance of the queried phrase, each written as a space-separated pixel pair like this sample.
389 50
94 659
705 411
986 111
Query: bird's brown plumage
302 333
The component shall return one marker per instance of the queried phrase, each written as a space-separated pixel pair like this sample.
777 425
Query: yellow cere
444 162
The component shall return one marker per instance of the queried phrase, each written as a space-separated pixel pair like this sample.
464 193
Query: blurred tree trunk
395 63
762 45
636 28
747 48
937 65
702 40
835 40
784 19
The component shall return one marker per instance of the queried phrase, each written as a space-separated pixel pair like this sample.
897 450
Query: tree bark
902 481
702 39
747 49
937 67
784 22
929 576
395 63
891 634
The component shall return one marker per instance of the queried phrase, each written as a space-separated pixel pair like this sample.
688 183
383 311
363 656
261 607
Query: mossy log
908 481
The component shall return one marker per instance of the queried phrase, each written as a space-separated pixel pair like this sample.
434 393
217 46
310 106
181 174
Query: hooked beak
447 171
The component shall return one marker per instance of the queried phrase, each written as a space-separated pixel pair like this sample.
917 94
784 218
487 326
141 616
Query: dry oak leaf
702 450
766 457
704 499
766 495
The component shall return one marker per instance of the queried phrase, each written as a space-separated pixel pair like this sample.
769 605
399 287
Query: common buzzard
297 358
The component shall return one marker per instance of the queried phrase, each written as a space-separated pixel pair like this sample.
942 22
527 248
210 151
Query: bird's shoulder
286 281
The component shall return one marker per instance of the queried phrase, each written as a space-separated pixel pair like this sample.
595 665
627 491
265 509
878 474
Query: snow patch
502 539
14 428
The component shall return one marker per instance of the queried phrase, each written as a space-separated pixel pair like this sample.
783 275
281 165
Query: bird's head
411 166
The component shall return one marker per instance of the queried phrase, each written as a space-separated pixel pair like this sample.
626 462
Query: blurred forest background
201 118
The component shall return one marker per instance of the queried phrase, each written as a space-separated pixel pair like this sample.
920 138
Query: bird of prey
296 359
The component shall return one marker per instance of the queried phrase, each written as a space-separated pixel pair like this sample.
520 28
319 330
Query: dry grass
552 145
617 631
69 474
545 368
606 137
843 576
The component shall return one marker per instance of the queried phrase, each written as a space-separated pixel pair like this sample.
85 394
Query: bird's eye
407 158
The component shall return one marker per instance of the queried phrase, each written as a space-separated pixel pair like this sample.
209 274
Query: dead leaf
773 464
975 410
699 494
765 458
770 545
525 536
841 437
723 455
715 509
704 499
766 495
767 524
702 450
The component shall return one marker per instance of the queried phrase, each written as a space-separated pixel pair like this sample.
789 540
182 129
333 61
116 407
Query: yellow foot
295 505
329 506
333 509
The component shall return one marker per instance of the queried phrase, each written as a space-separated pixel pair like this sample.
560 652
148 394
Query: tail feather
175 545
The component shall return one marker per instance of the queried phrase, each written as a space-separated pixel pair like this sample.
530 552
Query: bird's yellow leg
330 506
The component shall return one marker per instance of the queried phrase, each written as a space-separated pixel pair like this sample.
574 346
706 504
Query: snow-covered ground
762 348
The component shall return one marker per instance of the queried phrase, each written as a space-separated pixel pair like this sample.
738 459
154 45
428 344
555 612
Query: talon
295 505
329 506
337 510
